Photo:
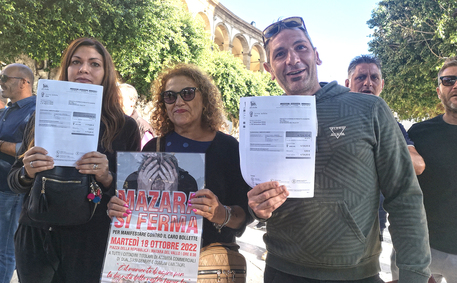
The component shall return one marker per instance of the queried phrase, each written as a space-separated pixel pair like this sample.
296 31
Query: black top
127 140
435 140
223 177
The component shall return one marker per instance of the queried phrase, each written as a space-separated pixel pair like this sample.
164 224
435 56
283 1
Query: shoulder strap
158 144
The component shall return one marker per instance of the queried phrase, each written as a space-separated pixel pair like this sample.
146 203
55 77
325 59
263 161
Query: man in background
365 76
129 97
435 140
16 81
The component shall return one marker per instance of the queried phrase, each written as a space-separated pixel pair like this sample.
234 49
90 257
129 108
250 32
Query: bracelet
228 214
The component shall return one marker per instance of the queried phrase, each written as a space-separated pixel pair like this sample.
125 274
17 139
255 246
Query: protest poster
160 241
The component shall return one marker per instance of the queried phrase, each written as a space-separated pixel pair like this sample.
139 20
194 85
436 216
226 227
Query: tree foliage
143 37
412 38
235 81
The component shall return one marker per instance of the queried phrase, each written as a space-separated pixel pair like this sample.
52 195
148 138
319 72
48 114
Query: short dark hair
367 59
449 62
267 48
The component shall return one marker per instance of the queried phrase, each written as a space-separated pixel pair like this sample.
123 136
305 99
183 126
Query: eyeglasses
5 78
273 29
187 94
448 80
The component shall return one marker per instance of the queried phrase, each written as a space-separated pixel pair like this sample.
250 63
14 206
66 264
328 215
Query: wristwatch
24 179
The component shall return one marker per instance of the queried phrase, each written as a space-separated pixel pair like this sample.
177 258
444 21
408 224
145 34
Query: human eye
188 92
361 78
95 64
374 78
449 81
301 47
168 94
279 54
75 62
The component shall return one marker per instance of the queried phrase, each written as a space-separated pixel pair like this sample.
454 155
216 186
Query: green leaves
143 37
235 81
412 38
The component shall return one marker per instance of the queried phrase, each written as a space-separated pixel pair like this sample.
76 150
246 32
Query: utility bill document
67 119
278 142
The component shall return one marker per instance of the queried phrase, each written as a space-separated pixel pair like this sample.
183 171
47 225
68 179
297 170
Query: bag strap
158 144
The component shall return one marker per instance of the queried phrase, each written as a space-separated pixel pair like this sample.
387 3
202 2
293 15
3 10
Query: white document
67 119
278 142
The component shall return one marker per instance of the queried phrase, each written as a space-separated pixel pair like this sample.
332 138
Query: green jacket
335 234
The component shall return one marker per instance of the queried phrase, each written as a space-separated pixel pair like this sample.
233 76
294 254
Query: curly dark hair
213 114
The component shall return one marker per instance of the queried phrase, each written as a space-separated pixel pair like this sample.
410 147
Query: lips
180 111
367 91
295 72
83 80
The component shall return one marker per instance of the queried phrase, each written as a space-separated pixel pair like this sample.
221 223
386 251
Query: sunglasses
273 29
5 78
448 80
187 94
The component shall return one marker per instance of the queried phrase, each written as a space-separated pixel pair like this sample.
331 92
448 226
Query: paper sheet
278 142
67 121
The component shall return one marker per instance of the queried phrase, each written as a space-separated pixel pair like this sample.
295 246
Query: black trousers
71 254
272 275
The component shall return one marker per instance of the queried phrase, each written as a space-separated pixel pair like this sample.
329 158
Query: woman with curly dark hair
48 253
188 118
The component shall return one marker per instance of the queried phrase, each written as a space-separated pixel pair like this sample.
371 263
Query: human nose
84 68
368 81
292 58
179 99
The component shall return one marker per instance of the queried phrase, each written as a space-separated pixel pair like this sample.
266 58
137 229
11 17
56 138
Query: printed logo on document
337 131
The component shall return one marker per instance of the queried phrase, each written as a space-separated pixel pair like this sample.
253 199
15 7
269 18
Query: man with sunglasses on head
334 236
435 140
16 82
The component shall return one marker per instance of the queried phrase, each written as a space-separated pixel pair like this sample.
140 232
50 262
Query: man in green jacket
334 236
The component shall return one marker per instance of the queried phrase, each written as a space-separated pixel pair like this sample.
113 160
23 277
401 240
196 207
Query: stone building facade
229 32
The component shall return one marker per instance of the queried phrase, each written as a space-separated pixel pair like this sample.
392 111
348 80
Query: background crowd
333 237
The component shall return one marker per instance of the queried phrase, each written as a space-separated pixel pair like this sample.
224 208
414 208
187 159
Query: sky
338 28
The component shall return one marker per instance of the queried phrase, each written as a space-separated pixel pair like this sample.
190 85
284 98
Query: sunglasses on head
273 29
448 80
5 78
187 94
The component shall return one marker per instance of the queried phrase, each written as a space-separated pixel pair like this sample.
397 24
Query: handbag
221 262
62 196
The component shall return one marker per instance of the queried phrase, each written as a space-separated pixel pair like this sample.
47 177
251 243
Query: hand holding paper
266 198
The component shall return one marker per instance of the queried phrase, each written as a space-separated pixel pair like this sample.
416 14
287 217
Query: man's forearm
418 161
